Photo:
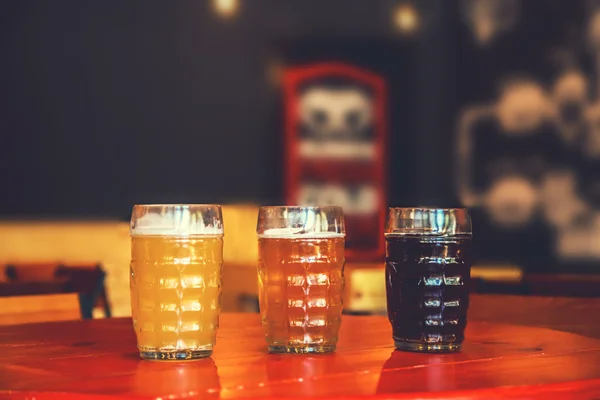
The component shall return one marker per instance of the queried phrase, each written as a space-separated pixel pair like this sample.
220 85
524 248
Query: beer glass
300 272
428 271
176 259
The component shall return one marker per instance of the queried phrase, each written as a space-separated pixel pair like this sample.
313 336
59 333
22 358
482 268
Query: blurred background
490 104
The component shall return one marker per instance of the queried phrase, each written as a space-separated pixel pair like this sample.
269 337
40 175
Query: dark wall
109 103
105 104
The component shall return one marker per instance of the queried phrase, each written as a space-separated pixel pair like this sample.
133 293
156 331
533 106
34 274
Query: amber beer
176 286
301 285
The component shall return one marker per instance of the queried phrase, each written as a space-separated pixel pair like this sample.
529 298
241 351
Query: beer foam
297 233
178 224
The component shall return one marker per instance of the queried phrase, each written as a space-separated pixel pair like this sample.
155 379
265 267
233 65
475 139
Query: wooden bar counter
516 347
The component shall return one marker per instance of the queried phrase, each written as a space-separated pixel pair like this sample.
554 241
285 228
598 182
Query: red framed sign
336 134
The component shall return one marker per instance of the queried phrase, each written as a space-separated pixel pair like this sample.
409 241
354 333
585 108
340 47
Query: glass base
427 347
174 355
303 349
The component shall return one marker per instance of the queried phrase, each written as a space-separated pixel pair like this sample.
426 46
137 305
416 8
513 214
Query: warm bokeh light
406 18
226 8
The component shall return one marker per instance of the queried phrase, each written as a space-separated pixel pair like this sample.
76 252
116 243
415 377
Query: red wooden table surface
97 359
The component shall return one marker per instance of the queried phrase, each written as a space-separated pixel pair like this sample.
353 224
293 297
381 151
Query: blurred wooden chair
87 281
40 308
39 272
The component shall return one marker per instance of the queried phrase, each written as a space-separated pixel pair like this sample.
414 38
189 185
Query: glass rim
176 220
301 207
300 221
429 208
425 221
157 205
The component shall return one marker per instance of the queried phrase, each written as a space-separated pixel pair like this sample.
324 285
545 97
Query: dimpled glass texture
428 272
175 295
301 285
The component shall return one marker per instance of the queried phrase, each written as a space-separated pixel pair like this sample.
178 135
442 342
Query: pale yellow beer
175 292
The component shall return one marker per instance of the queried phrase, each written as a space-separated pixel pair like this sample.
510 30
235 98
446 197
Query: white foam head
175 222
298 233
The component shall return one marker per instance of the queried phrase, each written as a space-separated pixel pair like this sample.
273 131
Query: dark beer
427 283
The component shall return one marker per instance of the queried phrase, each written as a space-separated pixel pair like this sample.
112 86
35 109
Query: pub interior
491 105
